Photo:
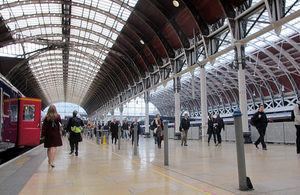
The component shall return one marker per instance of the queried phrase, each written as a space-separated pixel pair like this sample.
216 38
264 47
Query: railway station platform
193 169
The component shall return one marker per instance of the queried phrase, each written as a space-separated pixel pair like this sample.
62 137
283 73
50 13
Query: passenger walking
125 128
114 131
184 127
106 128
50 131
74 128
157 125
261 122
138 130
219 125
297 124
211 129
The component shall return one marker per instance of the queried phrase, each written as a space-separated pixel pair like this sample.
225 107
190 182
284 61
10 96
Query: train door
29 122
9 118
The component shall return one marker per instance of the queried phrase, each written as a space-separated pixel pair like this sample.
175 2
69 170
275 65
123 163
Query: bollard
135 137
119 140
237 115
166 142
104 140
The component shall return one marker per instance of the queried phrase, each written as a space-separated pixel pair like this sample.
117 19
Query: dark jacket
210 124
185 124
125 126
132 128
261 122
114 128
74 137
105 127
220 122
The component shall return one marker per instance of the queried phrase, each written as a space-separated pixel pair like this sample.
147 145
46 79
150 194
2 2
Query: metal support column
177 87
166 142
147 113
135 138
105 118
119 136
241 63
203 101
112 112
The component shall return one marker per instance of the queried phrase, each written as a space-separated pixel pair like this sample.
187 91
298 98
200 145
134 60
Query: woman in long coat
51 133
210 130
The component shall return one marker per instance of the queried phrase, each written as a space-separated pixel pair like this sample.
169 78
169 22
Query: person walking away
211 130
114 131
220 125
138 131
157 125
261 122
184 126
297 124
106 127
51 134
125 128
74 128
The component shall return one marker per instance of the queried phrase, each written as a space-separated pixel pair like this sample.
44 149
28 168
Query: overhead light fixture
175 3
142 42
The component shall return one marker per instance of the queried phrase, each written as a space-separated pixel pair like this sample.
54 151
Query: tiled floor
195 169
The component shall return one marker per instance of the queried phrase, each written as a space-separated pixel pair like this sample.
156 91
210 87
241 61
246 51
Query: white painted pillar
177 104
121 114
105 118
146 112
242 88
203 101
112 113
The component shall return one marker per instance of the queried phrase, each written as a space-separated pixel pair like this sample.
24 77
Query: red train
20 119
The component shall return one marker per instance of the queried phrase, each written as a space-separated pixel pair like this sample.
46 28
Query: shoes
256 146
216 144
181 143
185 145
71 153
52 166
208 143
264 148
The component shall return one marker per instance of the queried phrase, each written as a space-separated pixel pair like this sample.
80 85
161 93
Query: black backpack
252 121
293 114
76 122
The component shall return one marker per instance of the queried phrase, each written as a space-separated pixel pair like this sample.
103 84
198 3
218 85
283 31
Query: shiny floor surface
193 169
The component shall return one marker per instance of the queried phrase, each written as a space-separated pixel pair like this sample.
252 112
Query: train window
14 113
28 112
5 105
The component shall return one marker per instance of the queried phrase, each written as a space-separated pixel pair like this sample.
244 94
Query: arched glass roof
65 43
65 109
98 54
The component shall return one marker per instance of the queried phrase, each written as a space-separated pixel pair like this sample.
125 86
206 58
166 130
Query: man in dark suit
220 125
184 127
114 131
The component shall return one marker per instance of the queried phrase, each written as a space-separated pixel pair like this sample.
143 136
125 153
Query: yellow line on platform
22 161
182 182
168 176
